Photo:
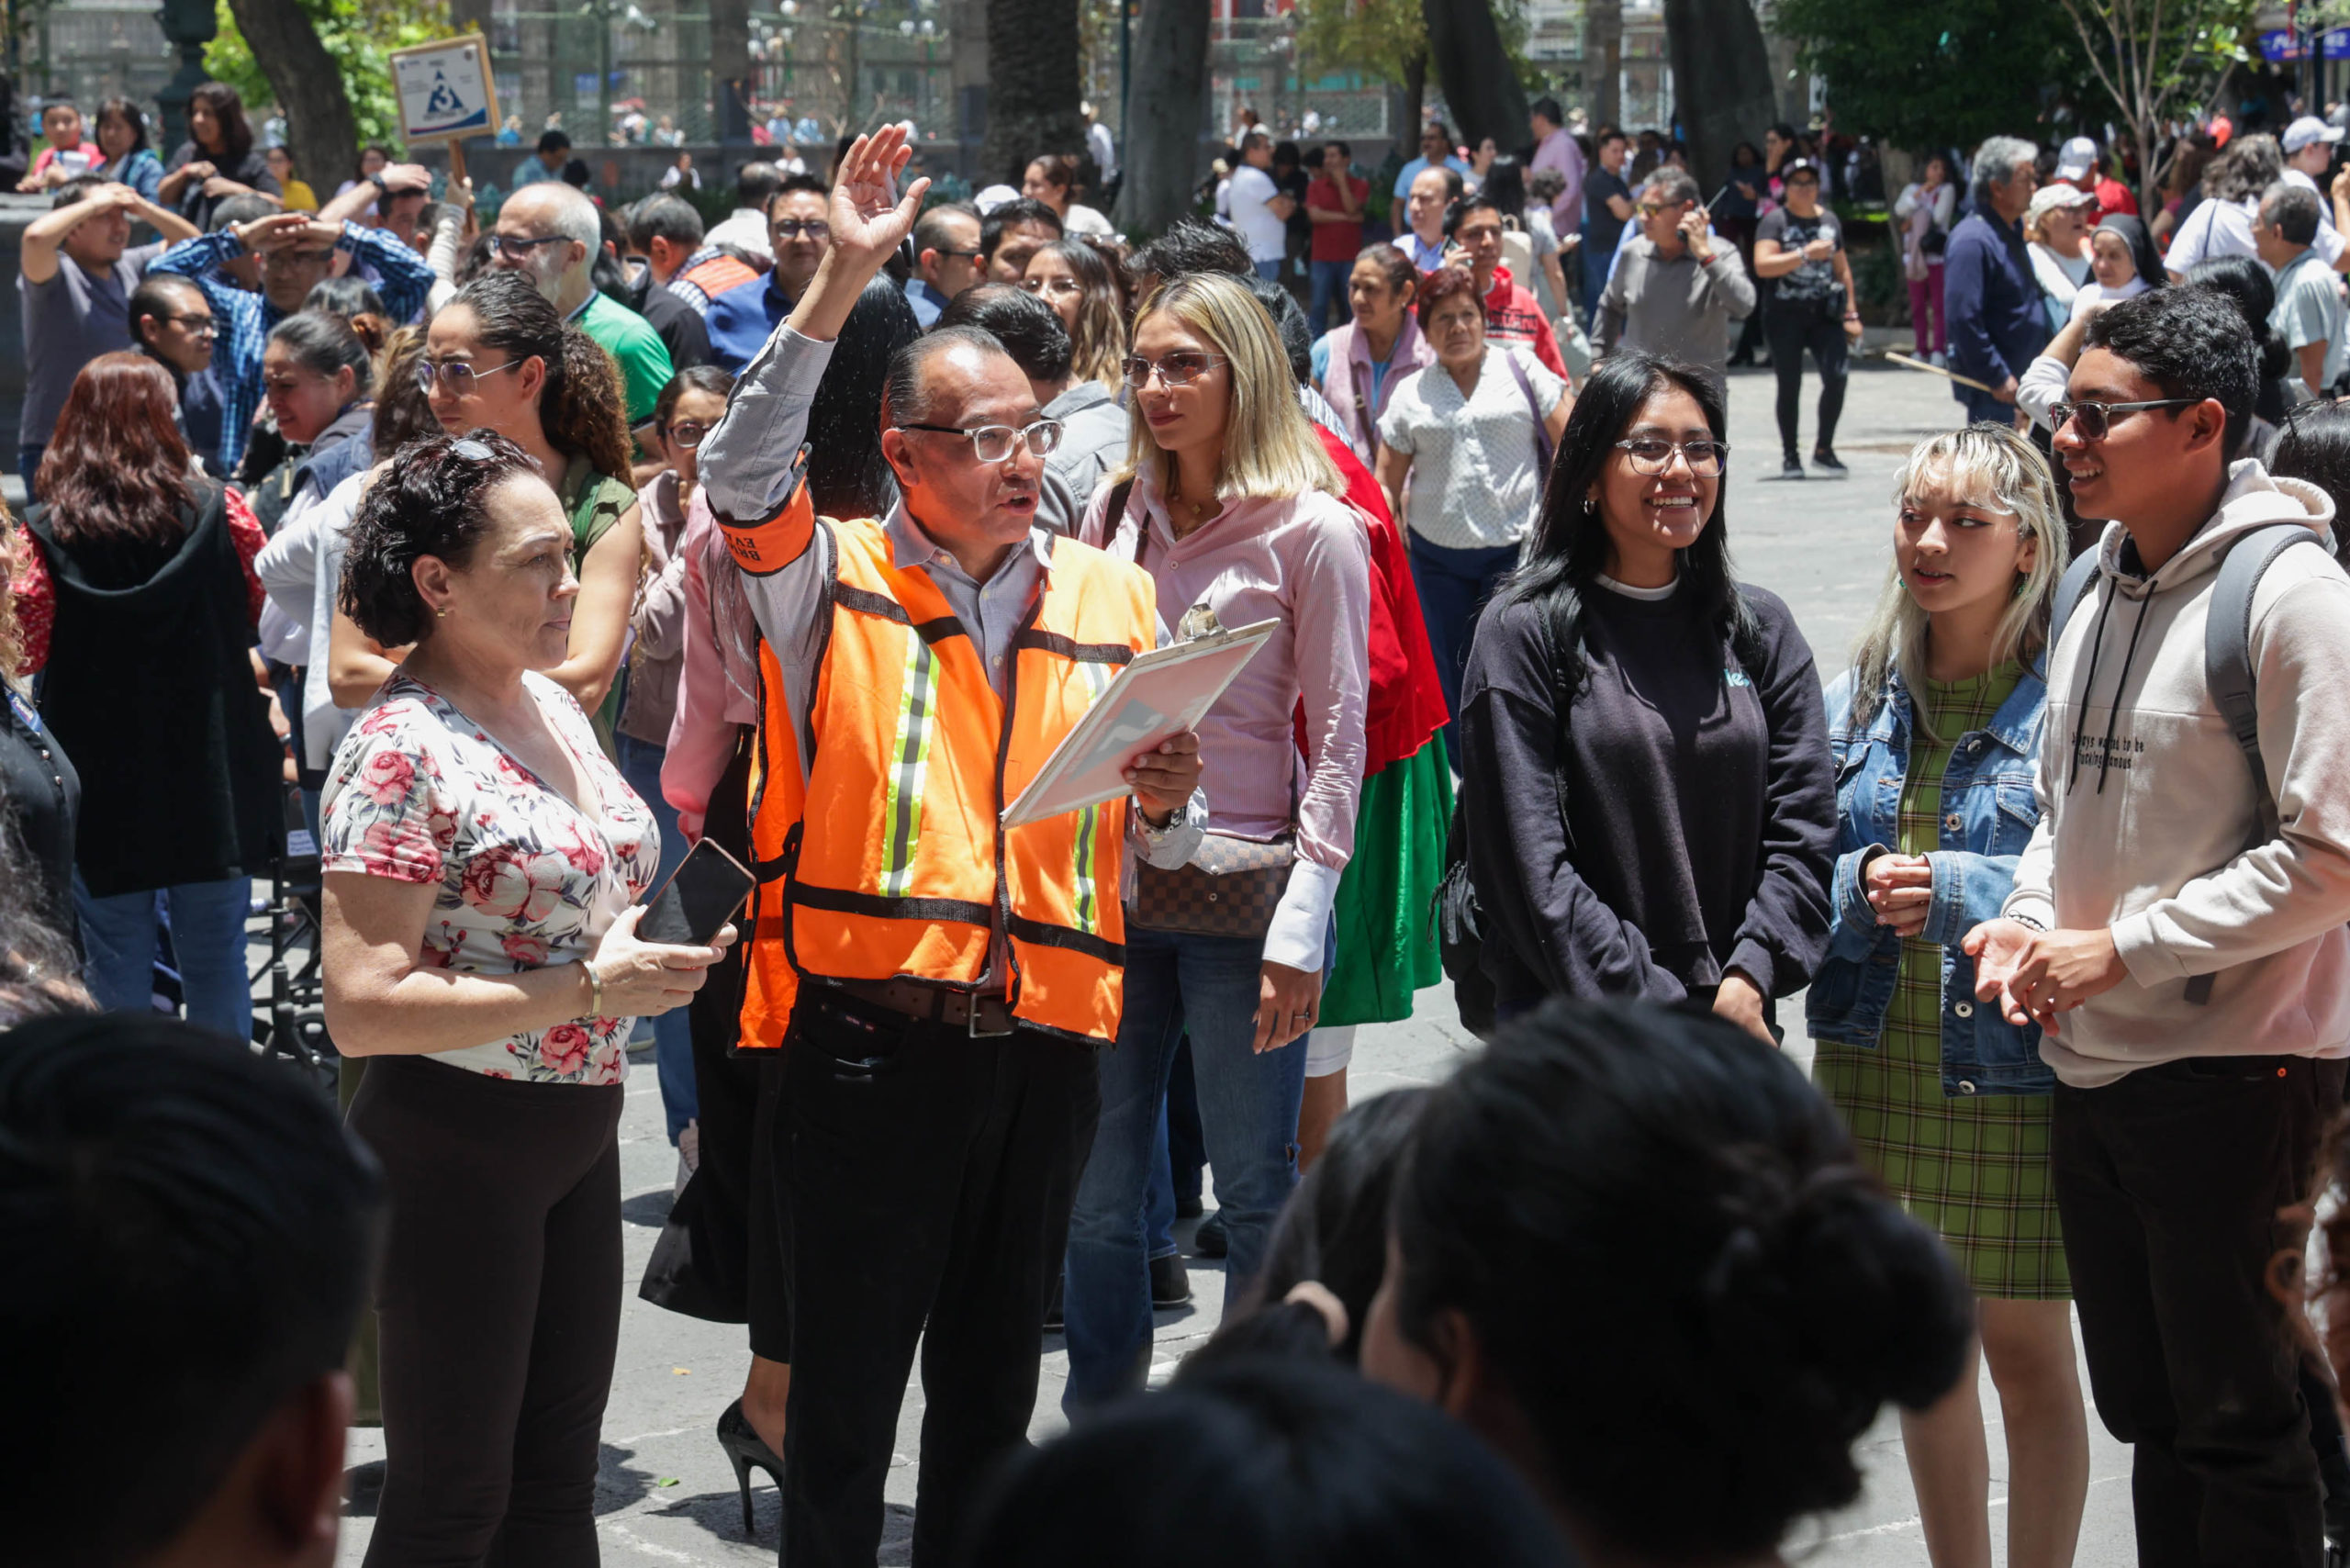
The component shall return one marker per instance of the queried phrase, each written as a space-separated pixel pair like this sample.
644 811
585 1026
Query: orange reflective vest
890 862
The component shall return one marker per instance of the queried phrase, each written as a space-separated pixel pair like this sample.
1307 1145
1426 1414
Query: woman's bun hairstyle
429 500
1674 1266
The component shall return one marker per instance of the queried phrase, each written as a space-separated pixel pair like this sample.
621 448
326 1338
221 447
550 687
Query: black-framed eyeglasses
1178 369
520 249
2096 419
811 228
687 433
994 443
952 255
202 326
460 375
1652 455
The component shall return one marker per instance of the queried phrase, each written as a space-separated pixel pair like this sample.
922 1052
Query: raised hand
870 217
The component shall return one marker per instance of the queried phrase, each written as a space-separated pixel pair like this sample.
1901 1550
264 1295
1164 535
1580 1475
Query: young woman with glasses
1070 276
1645 786
1230 502
497 357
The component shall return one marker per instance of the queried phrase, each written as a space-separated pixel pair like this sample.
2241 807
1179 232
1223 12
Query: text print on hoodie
2146 803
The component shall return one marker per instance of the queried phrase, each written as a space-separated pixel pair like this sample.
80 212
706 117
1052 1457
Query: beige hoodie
2145 833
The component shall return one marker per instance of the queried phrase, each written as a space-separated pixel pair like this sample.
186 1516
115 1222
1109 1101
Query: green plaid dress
1974 1166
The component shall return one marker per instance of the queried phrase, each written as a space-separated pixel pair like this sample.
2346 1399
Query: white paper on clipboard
1163 692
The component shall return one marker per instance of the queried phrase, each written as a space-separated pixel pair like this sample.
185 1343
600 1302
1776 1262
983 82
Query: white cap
988 200
2078 157
2049 198
2307 130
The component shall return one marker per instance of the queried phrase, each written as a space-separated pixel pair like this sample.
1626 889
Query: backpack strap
2078 575
1116 513
2227 648
2228 672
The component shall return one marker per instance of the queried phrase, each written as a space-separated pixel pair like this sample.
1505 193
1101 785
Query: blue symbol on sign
444 100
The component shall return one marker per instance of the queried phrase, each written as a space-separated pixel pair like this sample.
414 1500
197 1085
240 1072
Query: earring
1589 506
442 613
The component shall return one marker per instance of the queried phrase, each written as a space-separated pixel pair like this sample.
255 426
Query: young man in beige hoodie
2184 1123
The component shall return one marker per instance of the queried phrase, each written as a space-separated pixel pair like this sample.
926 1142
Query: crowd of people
508 562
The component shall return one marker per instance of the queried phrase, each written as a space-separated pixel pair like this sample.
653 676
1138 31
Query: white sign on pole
445 89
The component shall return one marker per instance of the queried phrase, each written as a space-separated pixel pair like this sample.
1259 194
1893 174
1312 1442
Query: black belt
985 1017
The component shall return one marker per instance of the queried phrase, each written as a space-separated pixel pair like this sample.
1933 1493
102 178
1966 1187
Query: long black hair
847 475
1569 549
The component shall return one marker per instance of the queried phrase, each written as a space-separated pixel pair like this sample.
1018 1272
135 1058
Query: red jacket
1404 706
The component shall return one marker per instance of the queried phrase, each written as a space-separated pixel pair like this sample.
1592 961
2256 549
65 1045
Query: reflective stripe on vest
893 863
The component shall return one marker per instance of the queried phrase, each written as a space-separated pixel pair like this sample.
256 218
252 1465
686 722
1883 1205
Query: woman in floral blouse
484 861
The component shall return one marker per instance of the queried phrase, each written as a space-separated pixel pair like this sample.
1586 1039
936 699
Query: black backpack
1452 909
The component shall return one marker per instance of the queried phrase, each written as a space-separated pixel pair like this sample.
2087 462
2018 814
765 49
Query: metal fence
96 49
1254 63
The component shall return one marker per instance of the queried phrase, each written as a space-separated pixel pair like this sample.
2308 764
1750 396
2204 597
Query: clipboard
1163 692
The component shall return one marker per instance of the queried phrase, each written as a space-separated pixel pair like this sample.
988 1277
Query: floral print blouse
421 793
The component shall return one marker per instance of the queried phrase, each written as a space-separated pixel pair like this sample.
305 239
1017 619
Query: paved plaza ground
667 1494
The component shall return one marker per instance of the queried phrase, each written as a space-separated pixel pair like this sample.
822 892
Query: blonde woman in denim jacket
1934 732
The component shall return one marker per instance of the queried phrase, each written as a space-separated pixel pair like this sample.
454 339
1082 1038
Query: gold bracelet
595 989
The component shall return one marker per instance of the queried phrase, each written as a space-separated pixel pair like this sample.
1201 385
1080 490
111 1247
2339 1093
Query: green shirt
594 502
630 339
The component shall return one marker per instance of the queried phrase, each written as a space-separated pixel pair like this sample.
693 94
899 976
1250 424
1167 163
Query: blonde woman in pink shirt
1230 502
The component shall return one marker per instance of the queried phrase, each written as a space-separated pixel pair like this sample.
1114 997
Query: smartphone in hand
694 905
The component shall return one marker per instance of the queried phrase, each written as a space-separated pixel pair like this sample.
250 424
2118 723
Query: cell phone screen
699 899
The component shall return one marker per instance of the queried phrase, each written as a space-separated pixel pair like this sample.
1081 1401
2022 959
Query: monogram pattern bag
1230 887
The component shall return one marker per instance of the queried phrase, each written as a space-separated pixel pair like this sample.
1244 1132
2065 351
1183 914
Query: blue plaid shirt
245 317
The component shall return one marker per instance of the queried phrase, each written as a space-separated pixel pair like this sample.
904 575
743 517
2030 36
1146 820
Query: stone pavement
667 1494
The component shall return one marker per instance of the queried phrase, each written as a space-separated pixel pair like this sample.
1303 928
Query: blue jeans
28 464
207 923
1248 1106
1330 300
672 1040
1596 265
1453 587
1270 271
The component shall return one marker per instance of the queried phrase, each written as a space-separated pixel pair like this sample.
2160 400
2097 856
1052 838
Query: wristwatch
383 187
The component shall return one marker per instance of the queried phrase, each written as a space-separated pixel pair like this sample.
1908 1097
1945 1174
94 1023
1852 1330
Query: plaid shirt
245 317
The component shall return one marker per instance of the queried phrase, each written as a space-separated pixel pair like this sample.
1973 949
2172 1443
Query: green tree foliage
359 34
1380 37
1930 73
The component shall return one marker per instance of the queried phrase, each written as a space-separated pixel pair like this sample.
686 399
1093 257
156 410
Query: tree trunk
1721 81
1415 98
1168 100
1033 85
1602 57
306 80
1480 83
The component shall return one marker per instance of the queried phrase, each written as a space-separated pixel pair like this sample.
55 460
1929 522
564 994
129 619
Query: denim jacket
1988 814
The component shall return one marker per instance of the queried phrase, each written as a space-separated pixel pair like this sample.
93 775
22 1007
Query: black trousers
2170 1183
500 1312
929 1178
1793 326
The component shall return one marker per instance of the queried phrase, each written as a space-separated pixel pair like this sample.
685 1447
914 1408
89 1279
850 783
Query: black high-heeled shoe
745 1448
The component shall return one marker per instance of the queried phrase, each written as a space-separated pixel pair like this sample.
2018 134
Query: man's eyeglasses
1179 369
814 229
457 373
1652 455
1055 287
2096 419
687 433
197 326
518 249
993 443
949 255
